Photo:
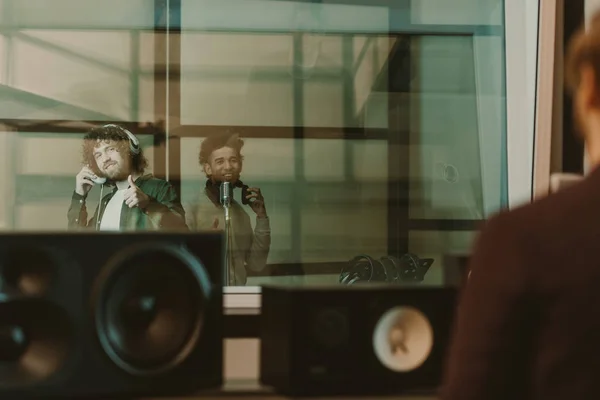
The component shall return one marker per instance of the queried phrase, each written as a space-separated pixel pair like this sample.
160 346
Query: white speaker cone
403 339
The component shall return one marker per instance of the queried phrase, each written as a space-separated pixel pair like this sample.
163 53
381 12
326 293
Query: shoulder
157 188
537 228
517 227
505 228
151 180
555 213
153 185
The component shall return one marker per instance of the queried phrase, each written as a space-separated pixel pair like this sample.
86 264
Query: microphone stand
225 194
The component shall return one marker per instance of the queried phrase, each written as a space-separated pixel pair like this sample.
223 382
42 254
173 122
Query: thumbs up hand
134 197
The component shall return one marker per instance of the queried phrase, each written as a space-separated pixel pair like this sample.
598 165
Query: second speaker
362 339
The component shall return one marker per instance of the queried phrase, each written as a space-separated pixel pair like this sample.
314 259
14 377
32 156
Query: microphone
225 192
225 197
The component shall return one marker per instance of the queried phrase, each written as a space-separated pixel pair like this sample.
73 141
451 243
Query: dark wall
572 152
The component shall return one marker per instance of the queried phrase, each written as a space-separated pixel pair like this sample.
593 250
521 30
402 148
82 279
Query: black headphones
134 143
389 269
361 268
413 268
213 188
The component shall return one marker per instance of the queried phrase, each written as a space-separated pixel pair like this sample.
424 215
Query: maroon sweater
528 323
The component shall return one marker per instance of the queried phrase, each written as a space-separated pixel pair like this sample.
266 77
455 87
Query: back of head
582 73
583 50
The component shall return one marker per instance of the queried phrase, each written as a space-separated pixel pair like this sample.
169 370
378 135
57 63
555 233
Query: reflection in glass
113 159
444 130
361 127
43 189
369 130
225 203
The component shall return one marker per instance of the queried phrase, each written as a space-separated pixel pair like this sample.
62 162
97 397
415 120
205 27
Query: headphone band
134 143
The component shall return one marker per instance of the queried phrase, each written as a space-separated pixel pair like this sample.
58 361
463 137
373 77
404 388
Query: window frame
249 297
167 36
398 156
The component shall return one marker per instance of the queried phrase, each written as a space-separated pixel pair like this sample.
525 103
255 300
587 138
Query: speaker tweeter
403 339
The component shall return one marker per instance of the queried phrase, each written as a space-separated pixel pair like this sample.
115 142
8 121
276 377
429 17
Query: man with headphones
221 160
112 156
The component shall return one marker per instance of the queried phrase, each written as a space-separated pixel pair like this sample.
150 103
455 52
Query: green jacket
163 213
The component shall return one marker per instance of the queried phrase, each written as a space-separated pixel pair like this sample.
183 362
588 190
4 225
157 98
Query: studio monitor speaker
104 314
371 339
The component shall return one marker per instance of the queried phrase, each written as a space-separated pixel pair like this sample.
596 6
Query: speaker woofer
34 341
150 303
27 271
403 339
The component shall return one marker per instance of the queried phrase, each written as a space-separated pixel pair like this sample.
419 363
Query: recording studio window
380 133
62 73
369 130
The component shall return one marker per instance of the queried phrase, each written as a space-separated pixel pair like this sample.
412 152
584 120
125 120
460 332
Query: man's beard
116 173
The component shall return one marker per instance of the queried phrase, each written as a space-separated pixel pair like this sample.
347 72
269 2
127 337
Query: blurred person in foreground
528 322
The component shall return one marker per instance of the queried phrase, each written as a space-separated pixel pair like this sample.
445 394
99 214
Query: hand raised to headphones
257 202
134 197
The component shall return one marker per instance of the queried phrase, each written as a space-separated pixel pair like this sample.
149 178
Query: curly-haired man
221 159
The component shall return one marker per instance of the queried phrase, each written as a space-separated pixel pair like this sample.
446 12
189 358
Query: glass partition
370 128
366 126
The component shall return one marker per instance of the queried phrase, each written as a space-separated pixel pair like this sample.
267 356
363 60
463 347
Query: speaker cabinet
104 314
367 339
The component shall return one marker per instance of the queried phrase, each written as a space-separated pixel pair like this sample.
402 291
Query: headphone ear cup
391 265
135 149
410 268
380 271
346 270
360 268
134 143
245 193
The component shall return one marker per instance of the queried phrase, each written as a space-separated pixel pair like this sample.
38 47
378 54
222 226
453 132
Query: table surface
252 390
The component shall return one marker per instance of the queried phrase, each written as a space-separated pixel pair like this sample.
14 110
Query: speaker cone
403 339
150 306
34 341
27 271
